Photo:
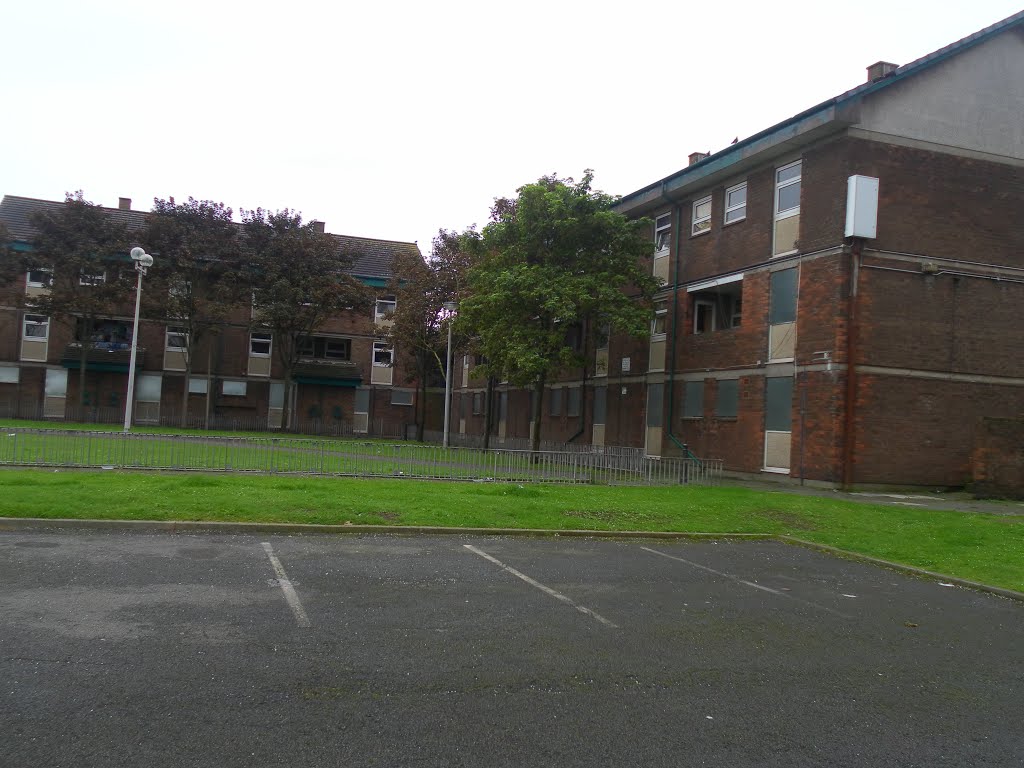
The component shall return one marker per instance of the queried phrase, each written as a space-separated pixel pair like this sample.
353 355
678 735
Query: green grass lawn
152 429
986 548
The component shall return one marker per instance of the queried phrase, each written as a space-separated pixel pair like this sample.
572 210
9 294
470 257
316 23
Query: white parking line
547 590
286 586
738 580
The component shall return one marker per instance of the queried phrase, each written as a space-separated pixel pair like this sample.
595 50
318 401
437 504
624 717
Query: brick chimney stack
696 157
881 69
318 226
124 203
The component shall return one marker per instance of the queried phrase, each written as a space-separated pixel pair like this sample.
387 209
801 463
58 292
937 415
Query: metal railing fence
357 458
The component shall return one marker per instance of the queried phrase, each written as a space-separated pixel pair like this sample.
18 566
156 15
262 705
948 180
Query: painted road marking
286 586
738 580
534 583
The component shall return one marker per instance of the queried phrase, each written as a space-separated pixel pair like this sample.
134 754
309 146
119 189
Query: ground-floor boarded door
778 423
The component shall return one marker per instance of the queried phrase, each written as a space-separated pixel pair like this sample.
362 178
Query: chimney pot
696 157
881 69
318 226
124 203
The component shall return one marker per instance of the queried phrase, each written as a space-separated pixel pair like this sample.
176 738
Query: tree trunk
421 404
286 411
538 401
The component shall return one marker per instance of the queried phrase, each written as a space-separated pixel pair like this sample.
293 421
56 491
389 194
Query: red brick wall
998 459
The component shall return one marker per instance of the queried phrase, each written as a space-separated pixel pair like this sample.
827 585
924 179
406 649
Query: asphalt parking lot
138 649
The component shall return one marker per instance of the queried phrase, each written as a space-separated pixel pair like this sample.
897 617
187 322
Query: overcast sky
394 119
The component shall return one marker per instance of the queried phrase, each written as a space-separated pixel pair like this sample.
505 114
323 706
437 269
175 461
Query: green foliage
557 264
299 280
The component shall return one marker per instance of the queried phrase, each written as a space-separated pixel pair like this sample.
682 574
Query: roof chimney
124 203
318 226
881 69
696 157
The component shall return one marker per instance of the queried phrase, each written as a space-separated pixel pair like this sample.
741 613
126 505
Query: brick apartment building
346 380
783 346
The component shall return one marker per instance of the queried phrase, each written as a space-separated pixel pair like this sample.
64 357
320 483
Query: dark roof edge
860 91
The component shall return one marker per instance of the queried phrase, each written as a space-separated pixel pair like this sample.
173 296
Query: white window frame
382 346
663 227
261 338
29 282
660 315
780 185
98 278
730 209
240 388
703 222
175 330
42 322
378 316
697 304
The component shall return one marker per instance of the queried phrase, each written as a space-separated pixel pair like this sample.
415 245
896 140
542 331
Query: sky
393 120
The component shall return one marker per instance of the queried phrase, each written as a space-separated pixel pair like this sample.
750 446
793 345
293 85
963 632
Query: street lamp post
450 307
143 261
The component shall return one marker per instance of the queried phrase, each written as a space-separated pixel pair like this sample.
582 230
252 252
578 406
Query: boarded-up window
783 299
572 406
655 404
727 399
556 402
693 400
779 404
600 404
362 404
401 397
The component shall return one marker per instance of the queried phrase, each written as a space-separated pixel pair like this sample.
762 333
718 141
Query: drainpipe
849 425
677 236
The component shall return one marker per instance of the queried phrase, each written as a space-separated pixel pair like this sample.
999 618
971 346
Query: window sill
699 234
775 470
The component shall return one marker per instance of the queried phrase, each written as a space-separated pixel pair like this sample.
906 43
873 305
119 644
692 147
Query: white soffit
714 283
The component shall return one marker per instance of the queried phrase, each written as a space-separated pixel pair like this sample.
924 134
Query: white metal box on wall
861 207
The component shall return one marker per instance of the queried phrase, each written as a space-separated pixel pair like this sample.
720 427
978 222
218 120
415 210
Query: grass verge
980 547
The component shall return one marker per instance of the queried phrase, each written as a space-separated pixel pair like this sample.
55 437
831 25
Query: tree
81 250
299 280
421 287
199 281
557 262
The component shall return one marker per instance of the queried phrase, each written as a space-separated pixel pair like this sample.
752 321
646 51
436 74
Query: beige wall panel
786 233
381 375
53 407
174 361
598 438
652 446
462 426
147 413
259 366
502 428
33 350
661 269
657 360
31 290
781 341
274 418
777 449
360 422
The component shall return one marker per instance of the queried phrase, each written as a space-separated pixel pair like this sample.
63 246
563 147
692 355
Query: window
660 322
779 404
325 348
401 397
385 306
362 403
556 402
40 278
478 403
37 327
701 216
727 398
56 383
197 385
9 374
663 232
718 308
572 405
177 339
260 344
600 404
148 387
382 354
787 191
736 203
782 305
693 400
92 278
233 388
